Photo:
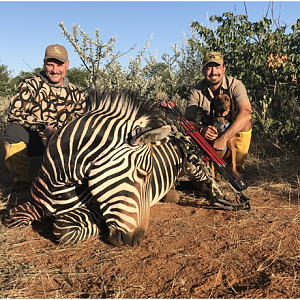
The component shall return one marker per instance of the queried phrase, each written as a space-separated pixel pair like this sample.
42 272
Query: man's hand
219 143
48 132
209 132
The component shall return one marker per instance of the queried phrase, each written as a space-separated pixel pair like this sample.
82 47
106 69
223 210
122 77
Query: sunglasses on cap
213 56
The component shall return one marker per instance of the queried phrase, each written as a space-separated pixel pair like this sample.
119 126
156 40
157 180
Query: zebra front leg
23 215
75 226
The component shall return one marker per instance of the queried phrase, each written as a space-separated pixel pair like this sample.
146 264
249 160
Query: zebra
108 166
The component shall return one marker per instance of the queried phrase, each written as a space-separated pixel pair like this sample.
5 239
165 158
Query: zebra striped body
110 165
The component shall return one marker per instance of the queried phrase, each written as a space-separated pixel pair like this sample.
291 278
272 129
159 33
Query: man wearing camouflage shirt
42 104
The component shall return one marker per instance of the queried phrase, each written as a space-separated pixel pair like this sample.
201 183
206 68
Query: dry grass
189 251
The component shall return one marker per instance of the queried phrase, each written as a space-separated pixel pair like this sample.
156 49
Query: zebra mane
129 101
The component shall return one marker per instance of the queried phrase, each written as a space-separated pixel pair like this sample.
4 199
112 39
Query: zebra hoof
172 196
15 221
21 216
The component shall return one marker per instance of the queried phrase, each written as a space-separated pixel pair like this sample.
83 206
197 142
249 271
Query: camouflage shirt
38 103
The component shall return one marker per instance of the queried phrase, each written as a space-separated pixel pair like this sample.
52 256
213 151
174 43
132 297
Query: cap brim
59 59
217 61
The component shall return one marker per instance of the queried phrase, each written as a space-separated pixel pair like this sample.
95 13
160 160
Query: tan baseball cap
58 52
215 57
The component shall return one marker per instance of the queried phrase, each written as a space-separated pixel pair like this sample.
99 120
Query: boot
17 162
205 188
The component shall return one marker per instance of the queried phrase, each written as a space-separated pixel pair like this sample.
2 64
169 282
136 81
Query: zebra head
119 176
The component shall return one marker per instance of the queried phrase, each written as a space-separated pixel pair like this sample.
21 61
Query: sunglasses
213 56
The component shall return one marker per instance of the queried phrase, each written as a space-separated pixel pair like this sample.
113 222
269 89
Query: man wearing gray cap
41 105
216 82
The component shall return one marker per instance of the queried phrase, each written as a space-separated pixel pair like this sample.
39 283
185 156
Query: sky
27 28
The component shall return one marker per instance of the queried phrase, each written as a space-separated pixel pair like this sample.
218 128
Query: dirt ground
191 250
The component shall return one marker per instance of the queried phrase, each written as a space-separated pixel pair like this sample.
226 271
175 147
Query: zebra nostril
135 239
119 238
138 236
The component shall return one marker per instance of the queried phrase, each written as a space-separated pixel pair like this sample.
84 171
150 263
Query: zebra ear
152 135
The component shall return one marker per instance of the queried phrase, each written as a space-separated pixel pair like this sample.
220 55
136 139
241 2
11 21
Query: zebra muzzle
119 238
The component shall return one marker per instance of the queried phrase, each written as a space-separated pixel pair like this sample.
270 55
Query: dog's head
223 106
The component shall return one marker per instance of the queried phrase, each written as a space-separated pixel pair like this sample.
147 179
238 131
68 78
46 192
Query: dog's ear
232 109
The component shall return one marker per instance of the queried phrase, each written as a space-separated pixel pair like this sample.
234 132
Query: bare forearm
235 127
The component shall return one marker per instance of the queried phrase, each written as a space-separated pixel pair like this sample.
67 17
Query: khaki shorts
243 140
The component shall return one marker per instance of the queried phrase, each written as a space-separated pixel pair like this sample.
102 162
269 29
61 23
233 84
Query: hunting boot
17 162
205 188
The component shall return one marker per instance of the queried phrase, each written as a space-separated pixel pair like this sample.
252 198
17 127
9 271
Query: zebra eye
142 122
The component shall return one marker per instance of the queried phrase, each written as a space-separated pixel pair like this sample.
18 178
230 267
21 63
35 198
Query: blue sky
28 27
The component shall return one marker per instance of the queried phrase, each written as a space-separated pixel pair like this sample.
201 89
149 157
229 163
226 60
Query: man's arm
81 106
191 112
193 103
19 109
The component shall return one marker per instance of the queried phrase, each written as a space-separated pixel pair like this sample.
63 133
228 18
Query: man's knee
15 133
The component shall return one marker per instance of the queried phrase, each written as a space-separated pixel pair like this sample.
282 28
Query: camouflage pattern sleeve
21 106
81 105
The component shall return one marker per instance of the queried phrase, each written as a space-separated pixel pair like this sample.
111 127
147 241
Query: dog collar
222 127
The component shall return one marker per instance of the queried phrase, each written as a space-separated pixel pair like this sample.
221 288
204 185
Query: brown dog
223 114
